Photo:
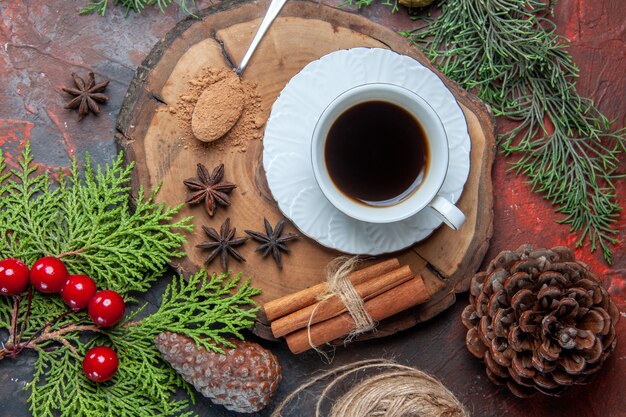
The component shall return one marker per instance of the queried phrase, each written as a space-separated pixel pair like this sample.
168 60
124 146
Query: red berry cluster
49 275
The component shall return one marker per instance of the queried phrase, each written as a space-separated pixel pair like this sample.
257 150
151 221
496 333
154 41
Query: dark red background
42 42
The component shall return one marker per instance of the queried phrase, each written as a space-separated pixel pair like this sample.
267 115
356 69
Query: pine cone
540 320
242 380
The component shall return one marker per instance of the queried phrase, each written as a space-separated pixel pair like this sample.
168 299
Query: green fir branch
100 6
59 388
5 315
508 53
186 308
89 221
364 3
28 211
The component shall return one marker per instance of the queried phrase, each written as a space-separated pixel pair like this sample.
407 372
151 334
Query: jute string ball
398 391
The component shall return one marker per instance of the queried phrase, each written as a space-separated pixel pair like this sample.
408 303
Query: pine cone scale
474 344
522 365
523 300
540 320
498 370
545 382
502 319
548 352
485 332
562 378
519 380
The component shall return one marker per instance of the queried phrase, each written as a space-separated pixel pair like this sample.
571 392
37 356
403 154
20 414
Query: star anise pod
272 241
223 244
87 95
210 188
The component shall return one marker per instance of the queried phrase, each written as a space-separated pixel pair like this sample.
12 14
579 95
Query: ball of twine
399 391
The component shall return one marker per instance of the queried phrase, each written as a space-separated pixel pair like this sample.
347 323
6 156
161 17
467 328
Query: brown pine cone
540 320
242 380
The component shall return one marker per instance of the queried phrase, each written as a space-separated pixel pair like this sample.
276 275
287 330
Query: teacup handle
448 212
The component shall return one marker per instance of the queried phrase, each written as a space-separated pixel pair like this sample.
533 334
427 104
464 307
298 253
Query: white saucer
287 143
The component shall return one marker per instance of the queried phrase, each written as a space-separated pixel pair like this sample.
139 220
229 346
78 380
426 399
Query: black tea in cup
376 153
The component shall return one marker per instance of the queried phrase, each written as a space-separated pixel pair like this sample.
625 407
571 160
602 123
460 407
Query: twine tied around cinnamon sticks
338 284
318 315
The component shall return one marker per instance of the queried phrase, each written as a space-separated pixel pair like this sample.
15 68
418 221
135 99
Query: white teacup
412 200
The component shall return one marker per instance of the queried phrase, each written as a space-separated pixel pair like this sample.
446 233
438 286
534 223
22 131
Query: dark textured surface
41 43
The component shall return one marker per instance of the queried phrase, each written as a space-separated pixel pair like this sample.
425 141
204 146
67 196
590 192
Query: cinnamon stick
334 306
398 299
296 301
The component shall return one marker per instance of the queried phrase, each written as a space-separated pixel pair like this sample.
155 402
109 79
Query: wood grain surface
305 31
41 43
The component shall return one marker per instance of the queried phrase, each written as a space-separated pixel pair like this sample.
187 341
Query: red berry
78 291
48 274
106 308
13 276
100 363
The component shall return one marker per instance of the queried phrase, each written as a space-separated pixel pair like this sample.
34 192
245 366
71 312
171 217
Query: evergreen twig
87 220
100 6
508 53
363 3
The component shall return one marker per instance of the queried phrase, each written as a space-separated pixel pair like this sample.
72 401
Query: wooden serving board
304 32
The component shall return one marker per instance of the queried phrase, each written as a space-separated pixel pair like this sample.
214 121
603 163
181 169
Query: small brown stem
25 321
14 315
71 253
45 335
58 334
40 331
67 344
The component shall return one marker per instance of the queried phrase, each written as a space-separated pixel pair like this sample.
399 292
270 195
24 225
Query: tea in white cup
380 155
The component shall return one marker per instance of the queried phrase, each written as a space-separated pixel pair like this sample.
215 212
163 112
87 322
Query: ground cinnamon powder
218 109
249 124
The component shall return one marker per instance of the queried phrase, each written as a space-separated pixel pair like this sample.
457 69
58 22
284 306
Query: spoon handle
272 11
